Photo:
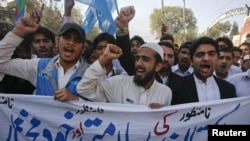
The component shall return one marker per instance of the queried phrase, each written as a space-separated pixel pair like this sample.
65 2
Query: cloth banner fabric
41 118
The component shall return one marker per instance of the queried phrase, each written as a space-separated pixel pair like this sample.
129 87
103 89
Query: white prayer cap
246 57
157 48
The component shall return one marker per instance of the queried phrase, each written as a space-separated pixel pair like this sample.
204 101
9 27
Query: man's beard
144 81
164 69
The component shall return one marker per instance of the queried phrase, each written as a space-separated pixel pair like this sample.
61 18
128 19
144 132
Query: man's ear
158 66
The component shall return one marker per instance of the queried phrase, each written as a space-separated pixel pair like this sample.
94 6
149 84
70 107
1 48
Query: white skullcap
157 48
246 57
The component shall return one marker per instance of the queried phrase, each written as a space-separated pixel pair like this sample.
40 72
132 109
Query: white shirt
176 70
234 70
241 81
63 77
120 89
207 91
164 79
231 71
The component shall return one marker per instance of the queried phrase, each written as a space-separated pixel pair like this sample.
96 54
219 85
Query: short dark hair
104 37
226 49
42 30
245 44
203 40
137 38
237 49
89 42
226 40
185 45
167 37
167 44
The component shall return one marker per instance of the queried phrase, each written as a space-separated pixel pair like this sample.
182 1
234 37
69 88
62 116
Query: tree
234 31
174 21
218 30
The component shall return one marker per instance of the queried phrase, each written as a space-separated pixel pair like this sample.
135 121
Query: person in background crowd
100 43
89 55
169 38
202 85
166 74
56 76
135 43
225 61
224 42
237 54
88 44
245 47
183 67
245 63
140 89
176 48
42 43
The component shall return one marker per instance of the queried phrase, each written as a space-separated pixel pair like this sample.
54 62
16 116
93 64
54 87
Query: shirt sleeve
23 68
91 84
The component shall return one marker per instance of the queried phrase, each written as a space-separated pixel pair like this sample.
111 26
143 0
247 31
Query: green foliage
173 19
218 30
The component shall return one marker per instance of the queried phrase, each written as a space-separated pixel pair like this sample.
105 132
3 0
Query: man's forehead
146 51
39 35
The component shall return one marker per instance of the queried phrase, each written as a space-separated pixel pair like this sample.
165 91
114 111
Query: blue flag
90 19
102 11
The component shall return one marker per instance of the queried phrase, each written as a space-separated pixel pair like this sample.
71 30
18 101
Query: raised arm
123 40
91 85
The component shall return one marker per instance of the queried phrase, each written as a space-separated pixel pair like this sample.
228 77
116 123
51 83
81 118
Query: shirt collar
57 63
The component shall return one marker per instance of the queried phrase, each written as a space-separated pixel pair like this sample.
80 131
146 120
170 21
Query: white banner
41 118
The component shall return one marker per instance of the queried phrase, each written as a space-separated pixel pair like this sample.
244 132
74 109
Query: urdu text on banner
41 118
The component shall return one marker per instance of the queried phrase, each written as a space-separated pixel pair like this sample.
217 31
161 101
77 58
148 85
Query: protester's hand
125 16
155 105
37 14
25 26
68 6
64 95
111 52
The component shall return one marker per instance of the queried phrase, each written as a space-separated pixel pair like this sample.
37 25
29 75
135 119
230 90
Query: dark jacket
184 90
